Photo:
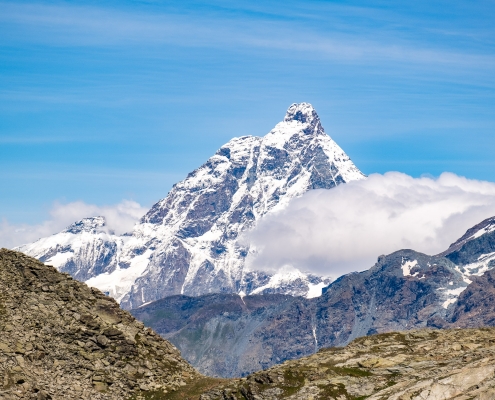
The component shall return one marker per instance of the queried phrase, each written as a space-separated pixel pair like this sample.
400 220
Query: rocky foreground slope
60 339
416 365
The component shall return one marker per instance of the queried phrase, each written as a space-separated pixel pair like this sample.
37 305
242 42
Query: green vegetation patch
191 391
357 372
345 371
333 391
383 339
330 349
293 382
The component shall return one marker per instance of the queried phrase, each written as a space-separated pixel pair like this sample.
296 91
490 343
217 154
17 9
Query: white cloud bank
331 232
120 218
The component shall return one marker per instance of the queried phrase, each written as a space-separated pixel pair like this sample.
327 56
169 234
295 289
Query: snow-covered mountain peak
84 249
301 122
90 225
188 242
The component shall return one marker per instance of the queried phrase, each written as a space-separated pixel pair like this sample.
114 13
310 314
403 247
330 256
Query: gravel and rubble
60 339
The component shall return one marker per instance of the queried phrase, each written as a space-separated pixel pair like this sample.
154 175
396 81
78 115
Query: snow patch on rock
407 266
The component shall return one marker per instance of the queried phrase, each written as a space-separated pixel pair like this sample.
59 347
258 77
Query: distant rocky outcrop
485 226
476 305
416 365
60 339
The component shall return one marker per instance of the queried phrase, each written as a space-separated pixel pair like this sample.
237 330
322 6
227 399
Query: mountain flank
227 335
60 339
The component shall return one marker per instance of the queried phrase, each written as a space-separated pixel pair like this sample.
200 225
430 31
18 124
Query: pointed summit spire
302 112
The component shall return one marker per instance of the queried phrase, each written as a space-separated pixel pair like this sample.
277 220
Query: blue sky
108 100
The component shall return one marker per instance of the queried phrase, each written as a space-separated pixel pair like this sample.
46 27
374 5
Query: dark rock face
476 305
383 299
471 234
471 251
60 339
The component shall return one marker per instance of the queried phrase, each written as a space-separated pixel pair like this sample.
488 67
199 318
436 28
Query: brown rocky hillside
60 339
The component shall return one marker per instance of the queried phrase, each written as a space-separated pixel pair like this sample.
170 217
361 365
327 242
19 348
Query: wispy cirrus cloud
71 25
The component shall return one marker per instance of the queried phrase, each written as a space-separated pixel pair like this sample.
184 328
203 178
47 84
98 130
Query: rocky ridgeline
415 365
60 339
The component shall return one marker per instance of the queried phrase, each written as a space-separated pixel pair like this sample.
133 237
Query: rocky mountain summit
230 335
60 339
188 243
416 365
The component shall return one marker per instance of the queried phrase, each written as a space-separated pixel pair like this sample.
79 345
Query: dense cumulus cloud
345 229
120 218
